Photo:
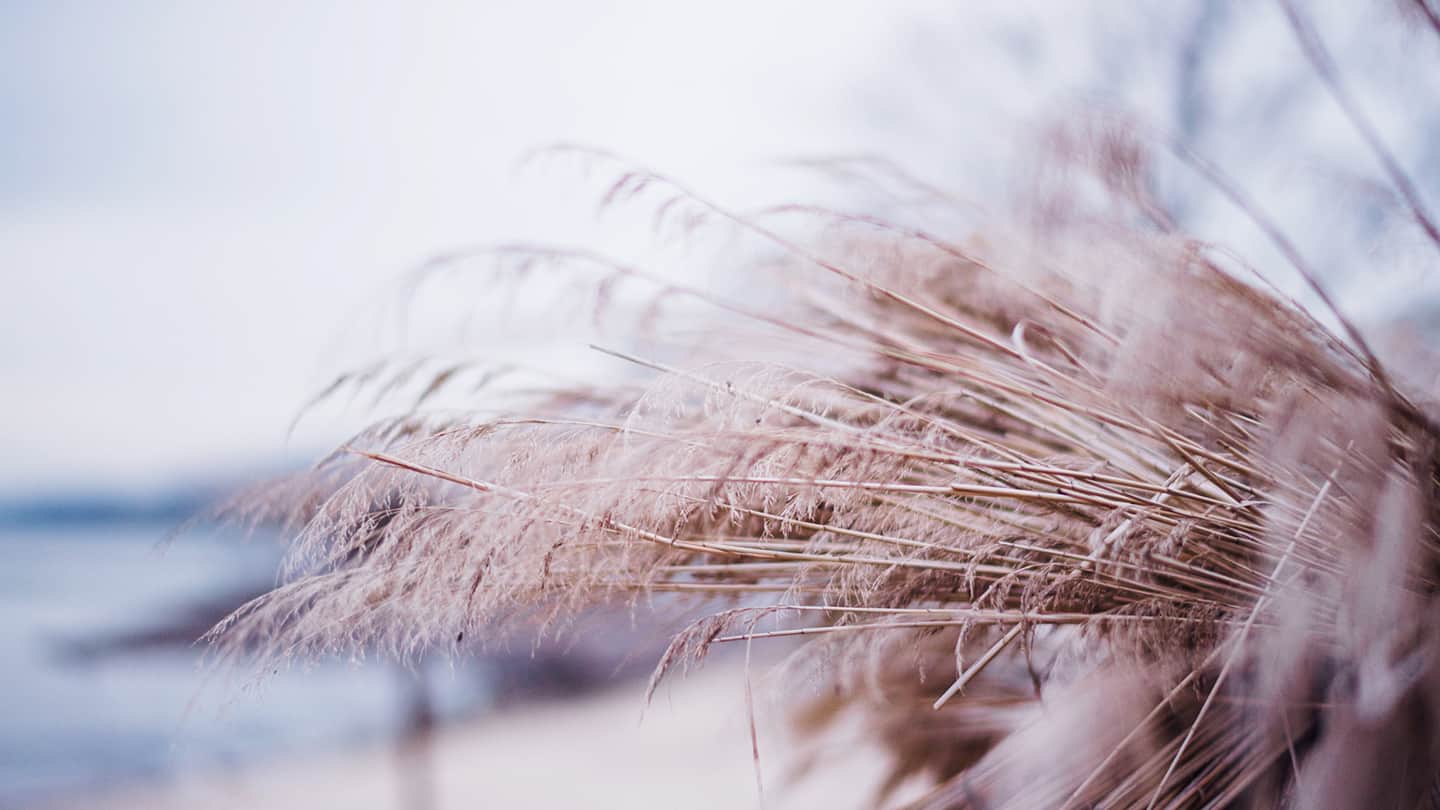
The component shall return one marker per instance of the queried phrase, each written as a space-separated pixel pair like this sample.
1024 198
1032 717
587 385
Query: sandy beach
691 749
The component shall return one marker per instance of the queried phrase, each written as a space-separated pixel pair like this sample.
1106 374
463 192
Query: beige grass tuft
1072 517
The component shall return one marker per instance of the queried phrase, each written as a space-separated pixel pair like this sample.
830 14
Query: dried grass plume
1075 512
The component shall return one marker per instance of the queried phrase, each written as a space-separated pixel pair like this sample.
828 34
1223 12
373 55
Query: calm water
74 716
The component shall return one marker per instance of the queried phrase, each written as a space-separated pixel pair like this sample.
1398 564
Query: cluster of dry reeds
1075 517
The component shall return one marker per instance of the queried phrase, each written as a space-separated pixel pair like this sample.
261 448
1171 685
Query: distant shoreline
174 507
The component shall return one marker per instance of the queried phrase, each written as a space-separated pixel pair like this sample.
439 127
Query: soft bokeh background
204 207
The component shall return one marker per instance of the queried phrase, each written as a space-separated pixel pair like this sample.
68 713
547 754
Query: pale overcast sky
195 196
